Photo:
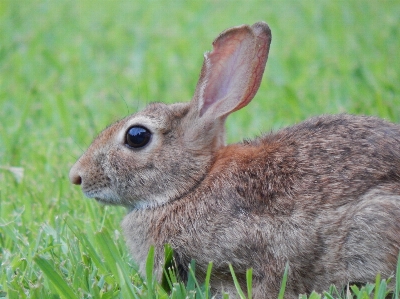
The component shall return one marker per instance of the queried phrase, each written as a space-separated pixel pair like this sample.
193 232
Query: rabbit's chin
105 196
109 197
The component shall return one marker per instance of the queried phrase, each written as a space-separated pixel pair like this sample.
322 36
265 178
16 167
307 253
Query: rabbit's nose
74 177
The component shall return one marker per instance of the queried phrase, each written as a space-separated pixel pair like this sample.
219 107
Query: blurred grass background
70 68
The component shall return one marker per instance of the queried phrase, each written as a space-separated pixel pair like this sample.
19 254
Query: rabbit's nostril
75 179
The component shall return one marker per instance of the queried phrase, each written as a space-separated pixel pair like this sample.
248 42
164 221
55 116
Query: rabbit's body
288 198
323 195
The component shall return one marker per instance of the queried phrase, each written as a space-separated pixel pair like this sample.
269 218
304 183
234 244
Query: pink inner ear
224 65
232 72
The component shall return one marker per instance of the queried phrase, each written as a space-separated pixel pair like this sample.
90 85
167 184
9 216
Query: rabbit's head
164 151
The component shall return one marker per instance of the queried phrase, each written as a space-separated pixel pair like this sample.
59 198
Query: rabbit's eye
137 137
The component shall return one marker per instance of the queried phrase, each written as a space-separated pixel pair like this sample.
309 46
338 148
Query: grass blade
115 262
166 282
207 282
168 264
191 285
108 250
328 296
284 280
314 295
86 243
382 289
377 284
236 282
355 290
397 290
249 281
55 278
192 270
127 288
149 273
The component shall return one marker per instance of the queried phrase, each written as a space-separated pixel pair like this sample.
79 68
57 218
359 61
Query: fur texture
323 195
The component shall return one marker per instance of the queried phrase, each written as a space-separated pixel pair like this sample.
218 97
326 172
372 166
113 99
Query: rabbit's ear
232 71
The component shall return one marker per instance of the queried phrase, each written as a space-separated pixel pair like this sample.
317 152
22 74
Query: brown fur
323 195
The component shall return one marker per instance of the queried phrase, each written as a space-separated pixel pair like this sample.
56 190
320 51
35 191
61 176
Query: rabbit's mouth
105 202
105 196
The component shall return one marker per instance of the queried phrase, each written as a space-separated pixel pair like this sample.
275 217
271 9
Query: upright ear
232 71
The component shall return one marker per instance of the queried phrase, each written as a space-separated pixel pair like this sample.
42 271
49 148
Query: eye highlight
137 137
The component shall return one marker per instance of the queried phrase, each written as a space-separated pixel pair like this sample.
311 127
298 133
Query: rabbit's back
334 157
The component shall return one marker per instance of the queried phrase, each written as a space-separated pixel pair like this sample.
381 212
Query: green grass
69 68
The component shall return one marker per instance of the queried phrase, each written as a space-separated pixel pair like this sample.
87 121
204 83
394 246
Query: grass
69 68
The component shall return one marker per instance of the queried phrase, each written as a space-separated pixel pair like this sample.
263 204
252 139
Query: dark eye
137 137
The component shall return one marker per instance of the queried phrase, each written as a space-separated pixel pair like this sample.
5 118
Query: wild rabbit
323 195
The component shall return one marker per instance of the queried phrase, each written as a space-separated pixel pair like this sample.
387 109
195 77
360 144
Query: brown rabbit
323 195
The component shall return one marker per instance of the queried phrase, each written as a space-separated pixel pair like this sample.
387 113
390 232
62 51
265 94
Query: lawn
70 68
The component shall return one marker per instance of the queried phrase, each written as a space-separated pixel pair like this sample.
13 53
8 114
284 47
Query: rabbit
322 196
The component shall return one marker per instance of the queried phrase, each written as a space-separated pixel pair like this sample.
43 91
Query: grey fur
323 195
